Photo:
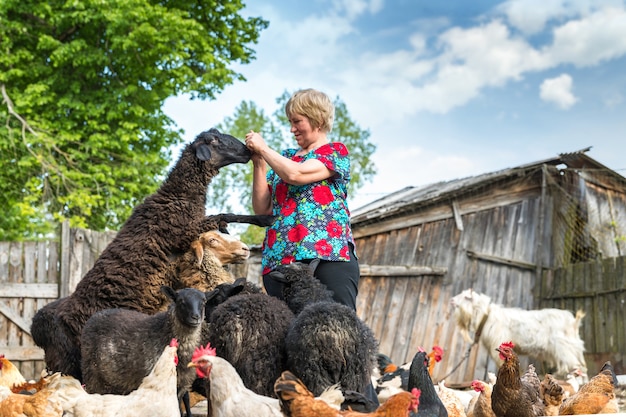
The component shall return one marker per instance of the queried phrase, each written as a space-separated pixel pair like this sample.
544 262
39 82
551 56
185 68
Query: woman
306 189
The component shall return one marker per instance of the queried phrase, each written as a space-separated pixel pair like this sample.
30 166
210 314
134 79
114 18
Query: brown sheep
157 232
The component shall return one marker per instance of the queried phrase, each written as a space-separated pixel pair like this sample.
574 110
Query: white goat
549 334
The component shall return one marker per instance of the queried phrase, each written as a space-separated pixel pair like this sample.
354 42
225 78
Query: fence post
64 276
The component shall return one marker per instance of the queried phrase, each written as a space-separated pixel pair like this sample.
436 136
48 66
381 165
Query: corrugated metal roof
399 201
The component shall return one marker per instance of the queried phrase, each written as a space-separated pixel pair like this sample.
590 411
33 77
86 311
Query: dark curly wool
248 330
300 288
326 343
120 347
129 272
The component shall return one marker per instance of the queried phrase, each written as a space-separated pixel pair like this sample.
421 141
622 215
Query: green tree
234 184
82 133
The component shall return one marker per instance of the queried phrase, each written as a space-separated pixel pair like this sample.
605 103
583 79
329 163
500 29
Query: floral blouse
312 220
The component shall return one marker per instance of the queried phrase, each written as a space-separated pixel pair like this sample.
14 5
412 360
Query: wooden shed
548 234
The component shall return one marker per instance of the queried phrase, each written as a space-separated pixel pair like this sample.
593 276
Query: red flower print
333 229
322 194
324 150
289 207
271 238
288 259
345 252
266 270
281 192
341 148
298 233
323 248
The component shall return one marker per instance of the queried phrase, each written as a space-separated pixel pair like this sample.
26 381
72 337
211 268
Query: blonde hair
315 106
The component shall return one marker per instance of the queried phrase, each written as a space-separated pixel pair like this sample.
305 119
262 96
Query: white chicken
228 396
156 396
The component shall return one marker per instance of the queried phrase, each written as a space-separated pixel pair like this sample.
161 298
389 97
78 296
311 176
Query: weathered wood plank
29 290
22 353
400 270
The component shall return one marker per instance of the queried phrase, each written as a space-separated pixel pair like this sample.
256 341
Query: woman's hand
255 142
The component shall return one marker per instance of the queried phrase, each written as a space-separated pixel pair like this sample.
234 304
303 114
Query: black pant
342 278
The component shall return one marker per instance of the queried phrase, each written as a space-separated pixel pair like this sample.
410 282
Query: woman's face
301 128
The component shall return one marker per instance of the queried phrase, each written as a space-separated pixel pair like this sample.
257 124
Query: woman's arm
261 196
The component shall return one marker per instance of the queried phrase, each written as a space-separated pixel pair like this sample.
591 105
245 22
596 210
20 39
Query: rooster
297 401
430 403
43 403
595 397
514 395
156 396
9 374
228 396
395 378
551 393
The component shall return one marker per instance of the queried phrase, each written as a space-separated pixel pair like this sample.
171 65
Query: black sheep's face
220 149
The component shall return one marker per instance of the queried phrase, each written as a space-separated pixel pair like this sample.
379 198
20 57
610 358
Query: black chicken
430 405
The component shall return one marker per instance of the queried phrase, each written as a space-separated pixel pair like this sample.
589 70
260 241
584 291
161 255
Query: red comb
202 351
508 344
174 343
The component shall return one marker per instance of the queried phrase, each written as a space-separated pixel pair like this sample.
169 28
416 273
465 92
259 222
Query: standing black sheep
248 330
326 343
158 231
120 347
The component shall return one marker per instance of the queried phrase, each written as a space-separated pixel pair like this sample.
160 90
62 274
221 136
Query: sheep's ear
240 281
277 276
203 152
211 294
313 265
169 292
198 250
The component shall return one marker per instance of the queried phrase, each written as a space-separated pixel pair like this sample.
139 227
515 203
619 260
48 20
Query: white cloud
558 91
591 40
531 16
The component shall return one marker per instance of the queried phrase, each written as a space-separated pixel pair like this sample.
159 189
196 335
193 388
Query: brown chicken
450 400
595 397
514 395
9 374
480 406
43 403
551 393
30 387
297 401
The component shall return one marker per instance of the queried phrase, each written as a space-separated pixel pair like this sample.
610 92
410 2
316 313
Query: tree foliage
83 136
236 181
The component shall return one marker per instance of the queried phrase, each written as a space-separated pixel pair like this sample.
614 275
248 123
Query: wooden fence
35 273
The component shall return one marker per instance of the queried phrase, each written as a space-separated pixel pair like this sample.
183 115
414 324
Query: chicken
9 374
481 405
595 397
395 378
30 387
450 400
571 383
512 395
551 393
156 396
297 401
228 396
430 403
43 403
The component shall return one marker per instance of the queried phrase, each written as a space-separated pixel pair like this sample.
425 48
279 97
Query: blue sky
447 89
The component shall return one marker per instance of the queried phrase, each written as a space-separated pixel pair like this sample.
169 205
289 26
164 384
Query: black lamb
326 343
127 273
120 347
248 329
